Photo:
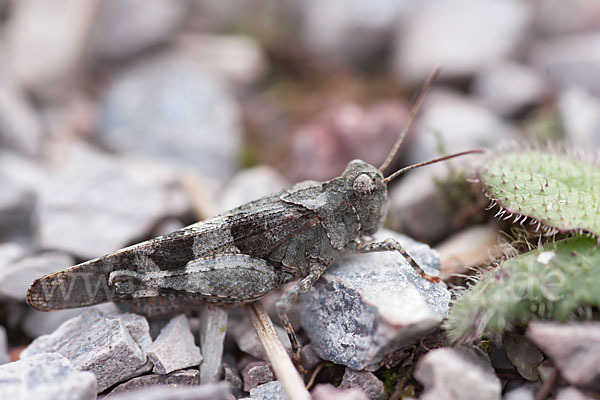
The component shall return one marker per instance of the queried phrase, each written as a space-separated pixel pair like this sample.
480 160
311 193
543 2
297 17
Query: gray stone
16 208
38 323
46 376
16 278
417 205
171 110
20 179
97 203
231 376
23 171
569 61
94 342
571 393
4 356
428 38
210 391
508 87
139 329
167 226
309 358
211 16
476 355
9 253
213 326
523 355
121 30
574 348
235 58
71 118
20 127
325 391
522 393
580 117
559 17
257 373
321 148
364 380
327 27
251 184
459 123
249 342
367 306
173 379
475 245
268 391
46 43
449 374
241 363
174 348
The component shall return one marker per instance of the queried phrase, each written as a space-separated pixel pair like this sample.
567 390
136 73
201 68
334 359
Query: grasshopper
239 256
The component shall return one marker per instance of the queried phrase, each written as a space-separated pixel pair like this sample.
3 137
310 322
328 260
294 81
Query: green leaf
560 192
559 281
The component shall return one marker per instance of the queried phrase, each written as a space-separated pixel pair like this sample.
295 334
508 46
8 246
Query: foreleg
393 245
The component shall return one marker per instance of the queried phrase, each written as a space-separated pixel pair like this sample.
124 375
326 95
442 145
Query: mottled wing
254 229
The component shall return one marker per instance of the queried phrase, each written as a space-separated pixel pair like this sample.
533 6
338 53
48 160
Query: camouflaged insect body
236 257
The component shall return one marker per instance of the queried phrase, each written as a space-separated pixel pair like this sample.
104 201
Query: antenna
411 116
435 160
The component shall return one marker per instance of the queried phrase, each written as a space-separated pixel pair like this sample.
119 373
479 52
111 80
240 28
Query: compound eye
363 184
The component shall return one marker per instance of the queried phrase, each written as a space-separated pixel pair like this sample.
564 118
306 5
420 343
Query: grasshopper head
366 190
366 186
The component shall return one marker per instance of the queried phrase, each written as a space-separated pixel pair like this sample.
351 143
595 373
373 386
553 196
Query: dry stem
285 371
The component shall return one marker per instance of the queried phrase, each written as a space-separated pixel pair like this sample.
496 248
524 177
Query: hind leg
288 299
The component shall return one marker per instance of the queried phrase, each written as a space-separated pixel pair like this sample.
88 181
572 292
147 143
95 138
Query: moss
389 378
